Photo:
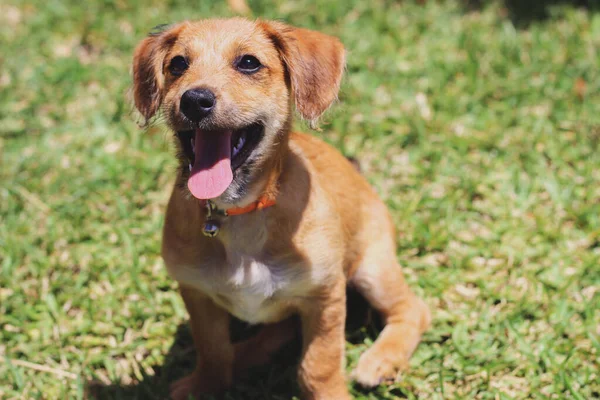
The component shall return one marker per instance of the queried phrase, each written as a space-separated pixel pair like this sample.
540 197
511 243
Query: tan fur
327 229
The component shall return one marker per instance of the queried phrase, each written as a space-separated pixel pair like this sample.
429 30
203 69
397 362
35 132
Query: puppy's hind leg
380 280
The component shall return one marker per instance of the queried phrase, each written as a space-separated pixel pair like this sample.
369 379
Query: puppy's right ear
148 76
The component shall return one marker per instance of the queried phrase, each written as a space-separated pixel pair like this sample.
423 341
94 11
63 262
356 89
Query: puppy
264 223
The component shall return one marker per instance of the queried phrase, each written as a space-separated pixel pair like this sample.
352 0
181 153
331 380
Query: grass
481 134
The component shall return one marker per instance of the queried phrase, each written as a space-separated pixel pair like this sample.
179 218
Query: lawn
478 125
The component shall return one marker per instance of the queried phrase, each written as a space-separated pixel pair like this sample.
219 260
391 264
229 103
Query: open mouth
213 156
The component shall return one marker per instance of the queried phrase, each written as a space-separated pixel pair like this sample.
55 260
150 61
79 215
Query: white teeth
240 143
190 165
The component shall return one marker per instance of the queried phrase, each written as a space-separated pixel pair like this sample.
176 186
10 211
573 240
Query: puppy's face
225 88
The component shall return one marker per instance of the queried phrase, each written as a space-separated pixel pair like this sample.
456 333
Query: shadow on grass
524 12
275 381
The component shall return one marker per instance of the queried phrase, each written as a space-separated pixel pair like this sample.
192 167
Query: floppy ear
148 77
315 63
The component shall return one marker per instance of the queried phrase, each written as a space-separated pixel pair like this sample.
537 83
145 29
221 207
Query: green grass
482 137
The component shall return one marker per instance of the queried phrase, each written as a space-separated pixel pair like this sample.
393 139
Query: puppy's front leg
214 351
321 374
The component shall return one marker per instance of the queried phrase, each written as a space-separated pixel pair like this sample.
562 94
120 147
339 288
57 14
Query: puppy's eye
248 64
178 65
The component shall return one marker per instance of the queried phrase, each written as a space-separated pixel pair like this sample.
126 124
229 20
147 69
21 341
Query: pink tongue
211 173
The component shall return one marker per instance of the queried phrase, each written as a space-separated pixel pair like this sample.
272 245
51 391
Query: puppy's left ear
148 76
315 63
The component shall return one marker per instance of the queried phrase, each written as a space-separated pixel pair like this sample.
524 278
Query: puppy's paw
376 367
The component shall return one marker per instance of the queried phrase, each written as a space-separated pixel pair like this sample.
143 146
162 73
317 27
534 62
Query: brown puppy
302 221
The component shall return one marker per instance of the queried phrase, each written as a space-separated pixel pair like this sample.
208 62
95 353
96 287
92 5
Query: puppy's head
226 88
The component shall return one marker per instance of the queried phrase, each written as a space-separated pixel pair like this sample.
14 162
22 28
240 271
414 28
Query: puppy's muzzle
197 104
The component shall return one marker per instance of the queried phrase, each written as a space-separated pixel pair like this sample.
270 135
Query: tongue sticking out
211 173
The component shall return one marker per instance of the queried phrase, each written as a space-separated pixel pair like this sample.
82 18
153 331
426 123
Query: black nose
196 104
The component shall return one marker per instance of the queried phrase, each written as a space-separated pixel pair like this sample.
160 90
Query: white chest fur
252 289
246 275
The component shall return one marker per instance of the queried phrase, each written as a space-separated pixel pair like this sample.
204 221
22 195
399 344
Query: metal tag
211 228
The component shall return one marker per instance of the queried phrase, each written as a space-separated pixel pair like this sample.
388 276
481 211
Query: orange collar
263 202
